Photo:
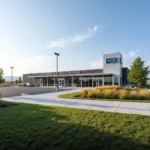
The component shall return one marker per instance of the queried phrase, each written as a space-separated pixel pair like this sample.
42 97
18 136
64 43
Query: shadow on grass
4 104
37 127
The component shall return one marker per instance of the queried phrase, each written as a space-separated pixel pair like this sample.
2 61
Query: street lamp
57 54
12 75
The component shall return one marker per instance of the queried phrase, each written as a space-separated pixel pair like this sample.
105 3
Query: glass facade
77 81
68 81
97 81
108 80
84 81
115 81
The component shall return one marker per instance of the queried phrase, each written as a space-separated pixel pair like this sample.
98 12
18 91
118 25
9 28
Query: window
108 80
68 81
115 80
77 81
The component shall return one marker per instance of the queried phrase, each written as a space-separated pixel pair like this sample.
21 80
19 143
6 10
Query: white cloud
64 42
61 43
131 53
98 64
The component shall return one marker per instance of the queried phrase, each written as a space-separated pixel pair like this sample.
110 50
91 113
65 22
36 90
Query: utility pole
12 75
57 54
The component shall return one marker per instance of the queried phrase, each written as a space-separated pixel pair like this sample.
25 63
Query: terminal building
112 73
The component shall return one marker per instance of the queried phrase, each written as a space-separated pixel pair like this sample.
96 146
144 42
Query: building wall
125 72
27 79
113 67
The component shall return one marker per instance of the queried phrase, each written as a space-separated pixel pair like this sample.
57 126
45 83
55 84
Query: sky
80 30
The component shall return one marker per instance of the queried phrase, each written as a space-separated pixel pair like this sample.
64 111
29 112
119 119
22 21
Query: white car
29 84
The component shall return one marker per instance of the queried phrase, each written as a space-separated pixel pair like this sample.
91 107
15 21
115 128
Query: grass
77 95
36 127
147 86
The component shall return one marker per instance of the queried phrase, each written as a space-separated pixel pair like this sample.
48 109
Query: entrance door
98 82
61 82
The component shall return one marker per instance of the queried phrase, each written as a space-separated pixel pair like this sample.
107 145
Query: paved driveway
51 99
17 91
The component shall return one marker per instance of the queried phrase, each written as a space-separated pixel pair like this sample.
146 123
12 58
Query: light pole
57 54
12 75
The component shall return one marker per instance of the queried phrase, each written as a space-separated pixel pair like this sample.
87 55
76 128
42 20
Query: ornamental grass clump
84 93
99 93
115 94
106 87
107 93
123 94
134 95
144 94
91 93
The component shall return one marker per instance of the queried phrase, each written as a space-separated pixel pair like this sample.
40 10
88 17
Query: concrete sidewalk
51 99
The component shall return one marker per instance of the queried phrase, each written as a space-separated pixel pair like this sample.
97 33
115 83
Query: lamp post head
12 67
57 54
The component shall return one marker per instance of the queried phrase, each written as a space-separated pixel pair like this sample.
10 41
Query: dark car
29 84
23 84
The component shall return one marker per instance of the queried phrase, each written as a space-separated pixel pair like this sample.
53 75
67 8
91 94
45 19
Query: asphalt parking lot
17 91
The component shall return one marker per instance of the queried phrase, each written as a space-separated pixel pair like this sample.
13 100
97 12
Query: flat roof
70 75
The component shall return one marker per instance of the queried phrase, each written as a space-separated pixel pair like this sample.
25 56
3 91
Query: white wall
115 68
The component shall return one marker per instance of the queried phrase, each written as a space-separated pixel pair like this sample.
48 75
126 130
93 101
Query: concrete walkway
51 99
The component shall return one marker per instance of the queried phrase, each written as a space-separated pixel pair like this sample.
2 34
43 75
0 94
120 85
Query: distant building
112 73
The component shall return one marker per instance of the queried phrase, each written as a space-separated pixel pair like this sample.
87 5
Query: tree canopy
2 80
19 80
139 73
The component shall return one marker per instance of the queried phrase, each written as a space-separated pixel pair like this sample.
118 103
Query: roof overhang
74 75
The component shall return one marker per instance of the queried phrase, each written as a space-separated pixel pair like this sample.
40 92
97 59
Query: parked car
29 84
23 84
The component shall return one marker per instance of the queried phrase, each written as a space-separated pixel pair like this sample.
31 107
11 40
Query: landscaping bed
77 95
37 127
112 93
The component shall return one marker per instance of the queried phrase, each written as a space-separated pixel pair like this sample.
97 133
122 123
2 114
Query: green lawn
36 127
77 95
147 86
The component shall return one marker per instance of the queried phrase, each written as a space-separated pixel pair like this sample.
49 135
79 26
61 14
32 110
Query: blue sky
80 30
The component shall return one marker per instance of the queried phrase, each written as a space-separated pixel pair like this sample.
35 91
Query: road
17 91
52 99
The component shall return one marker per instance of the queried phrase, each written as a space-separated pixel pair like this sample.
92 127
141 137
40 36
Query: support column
81 81
119 81
41 82
113 80
103 80
33 80
47 81
54 81
72 81
92 81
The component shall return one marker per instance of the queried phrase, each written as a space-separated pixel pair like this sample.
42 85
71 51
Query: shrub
99 93
91 93
115 93
134 95
107 93
106 87
84 93
123 94
144 94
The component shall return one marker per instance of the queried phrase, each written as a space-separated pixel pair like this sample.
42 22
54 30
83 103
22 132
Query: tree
139 72
19 80
16 81
2 80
